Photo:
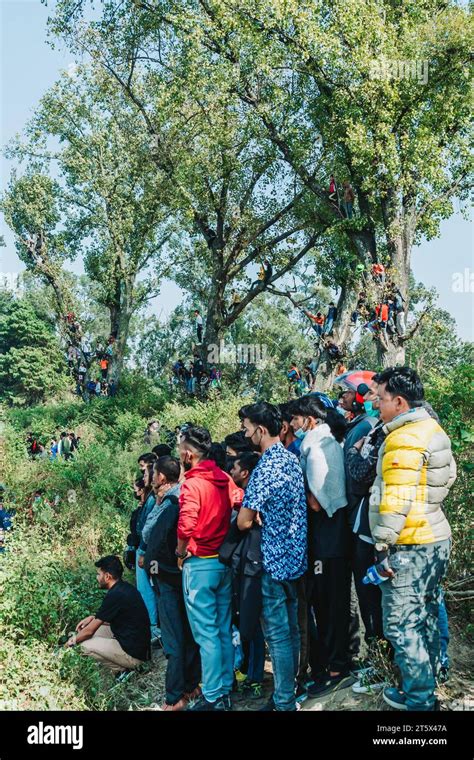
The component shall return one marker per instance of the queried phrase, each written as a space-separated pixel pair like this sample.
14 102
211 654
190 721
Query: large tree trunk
341 334
120 315
399 225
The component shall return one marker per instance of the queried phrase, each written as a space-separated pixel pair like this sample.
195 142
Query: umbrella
350 380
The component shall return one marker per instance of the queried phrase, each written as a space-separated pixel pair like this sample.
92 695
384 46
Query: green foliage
31 362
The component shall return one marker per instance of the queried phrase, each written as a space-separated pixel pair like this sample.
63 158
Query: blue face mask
300 433
369 409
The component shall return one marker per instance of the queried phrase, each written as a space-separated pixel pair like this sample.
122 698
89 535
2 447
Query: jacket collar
417 414
316 434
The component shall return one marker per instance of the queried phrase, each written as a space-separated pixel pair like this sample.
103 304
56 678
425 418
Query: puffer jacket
415 470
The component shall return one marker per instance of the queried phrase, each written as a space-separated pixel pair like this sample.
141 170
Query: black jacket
361 467
162 544
241 551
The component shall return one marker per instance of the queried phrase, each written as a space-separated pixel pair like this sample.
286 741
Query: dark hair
148 458
169 467
311 406
161 450
237 441
285 411
217 454
198 438
112 565
404 382
264 414
248 460
140 483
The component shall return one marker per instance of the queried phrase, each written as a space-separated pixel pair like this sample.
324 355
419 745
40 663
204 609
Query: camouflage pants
410 606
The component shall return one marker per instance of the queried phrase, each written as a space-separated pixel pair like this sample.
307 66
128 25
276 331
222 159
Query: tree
106 202
373 92
233 196
31 361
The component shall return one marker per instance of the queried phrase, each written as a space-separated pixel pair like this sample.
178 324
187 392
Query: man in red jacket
205 505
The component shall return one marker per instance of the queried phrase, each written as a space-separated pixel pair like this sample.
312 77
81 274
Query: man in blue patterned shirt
276 495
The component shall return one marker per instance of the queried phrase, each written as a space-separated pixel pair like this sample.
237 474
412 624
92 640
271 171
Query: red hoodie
205 504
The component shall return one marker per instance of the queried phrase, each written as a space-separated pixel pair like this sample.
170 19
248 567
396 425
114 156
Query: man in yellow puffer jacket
415 471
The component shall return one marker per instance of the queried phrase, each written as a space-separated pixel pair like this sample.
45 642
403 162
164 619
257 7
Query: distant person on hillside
118 635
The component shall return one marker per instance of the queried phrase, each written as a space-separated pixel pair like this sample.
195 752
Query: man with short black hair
206 499
415 471
276 492
145 459
119 634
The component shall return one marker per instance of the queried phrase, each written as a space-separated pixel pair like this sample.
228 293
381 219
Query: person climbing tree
349 197
318 321
330 318
198 323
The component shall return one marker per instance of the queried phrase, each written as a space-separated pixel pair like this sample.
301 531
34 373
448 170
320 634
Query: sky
29 66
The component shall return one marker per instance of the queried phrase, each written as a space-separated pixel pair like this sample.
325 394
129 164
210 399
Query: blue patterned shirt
276 490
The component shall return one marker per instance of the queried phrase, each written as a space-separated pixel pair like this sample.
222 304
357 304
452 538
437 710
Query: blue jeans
410 607
443 633
280 629
328 325
148 595
207 587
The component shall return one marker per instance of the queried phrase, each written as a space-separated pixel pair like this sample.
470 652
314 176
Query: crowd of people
59 447
255 542
194 378
89 366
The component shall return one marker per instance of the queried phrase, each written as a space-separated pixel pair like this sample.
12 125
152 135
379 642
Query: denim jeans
207 587
148 595
280 629
183 669
443 632
328 325
410 606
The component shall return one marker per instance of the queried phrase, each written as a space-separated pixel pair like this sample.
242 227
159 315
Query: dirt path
145 690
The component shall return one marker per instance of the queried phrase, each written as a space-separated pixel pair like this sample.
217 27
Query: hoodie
205 505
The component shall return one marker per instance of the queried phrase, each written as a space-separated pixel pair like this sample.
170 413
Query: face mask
369 409
300 433
253 446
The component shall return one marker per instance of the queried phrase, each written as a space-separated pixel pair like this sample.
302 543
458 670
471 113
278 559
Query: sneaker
395 698
301 693
180 705
191 696
201 704
254 690
359 666
270 707
443 675
123 676
369 682
240 677
330 683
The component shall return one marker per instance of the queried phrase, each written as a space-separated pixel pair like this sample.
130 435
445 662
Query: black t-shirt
328 537
124 609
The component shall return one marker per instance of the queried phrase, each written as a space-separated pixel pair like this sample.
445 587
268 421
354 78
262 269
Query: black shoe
330 683
227 700
202 705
